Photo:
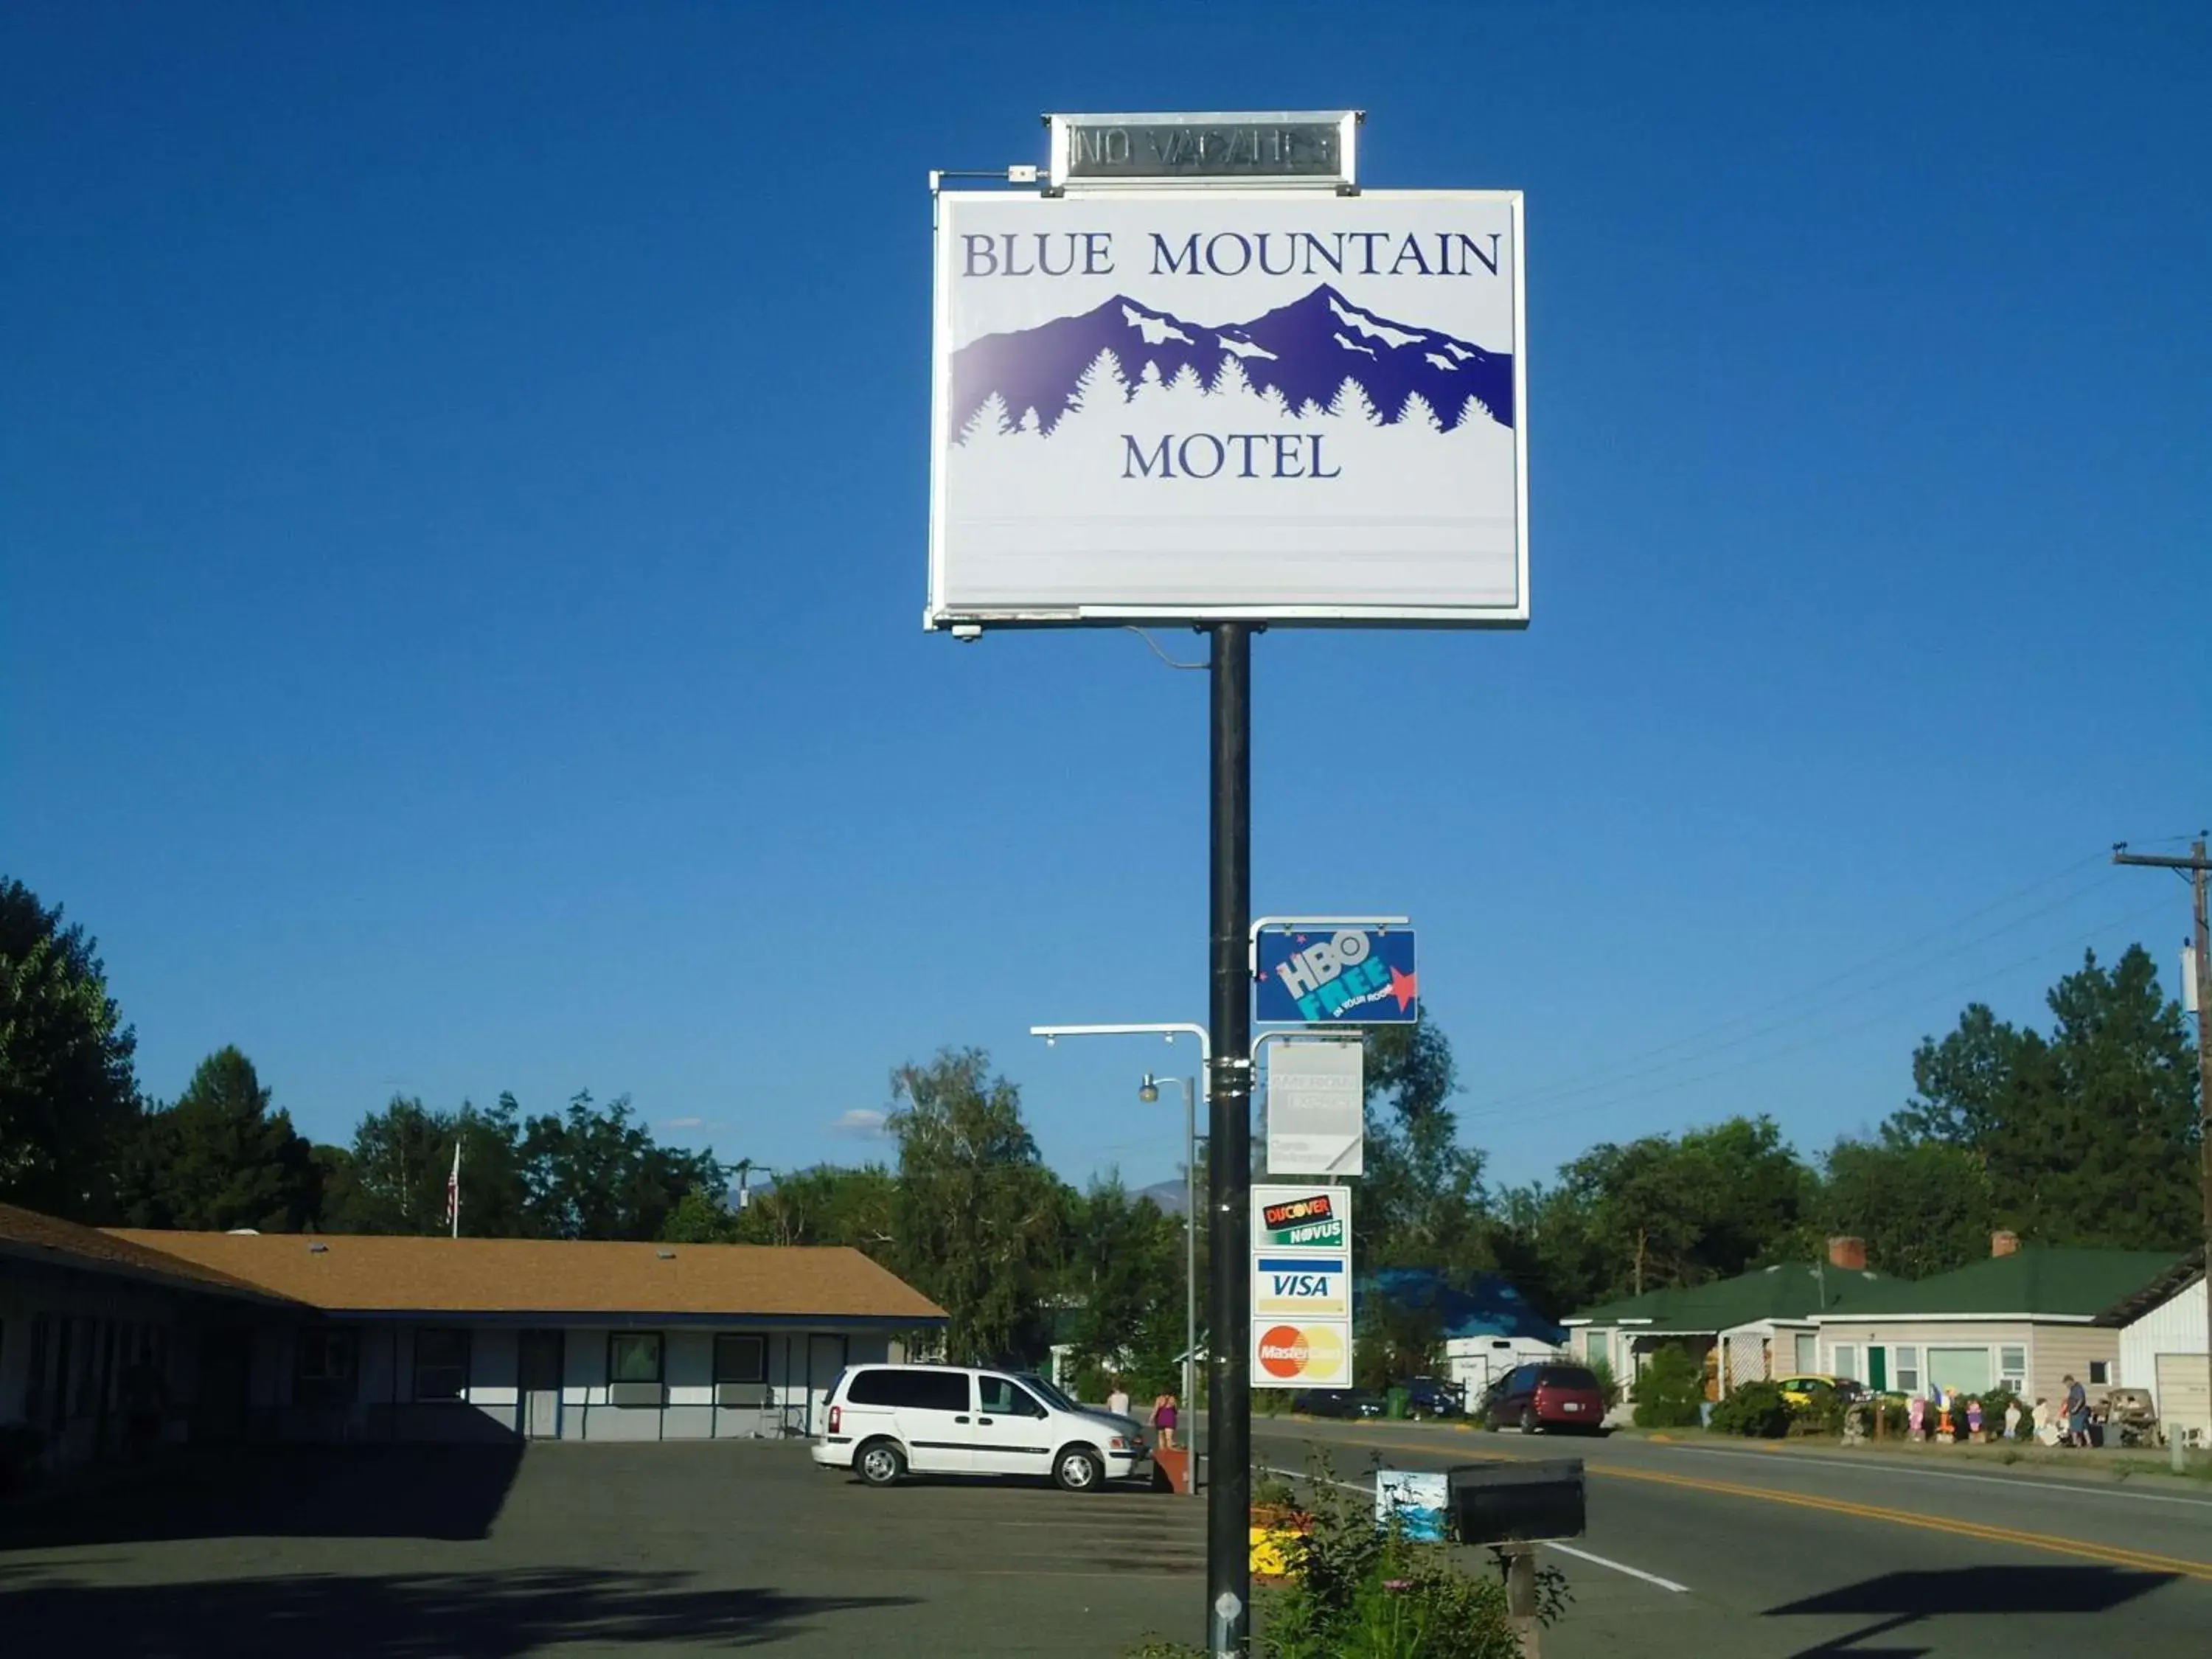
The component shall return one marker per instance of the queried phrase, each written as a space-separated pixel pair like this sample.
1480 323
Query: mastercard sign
1312 1353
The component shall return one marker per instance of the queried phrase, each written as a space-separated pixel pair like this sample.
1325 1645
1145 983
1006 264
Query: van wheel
880 1463
1529 1423
1078 1470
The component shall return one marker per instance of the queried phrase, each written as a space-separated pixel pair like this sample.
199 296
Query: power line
1806 1004
1830 1035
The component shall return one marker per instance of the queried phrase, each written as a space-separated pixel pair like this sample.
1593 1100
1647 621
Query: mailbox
1517 1503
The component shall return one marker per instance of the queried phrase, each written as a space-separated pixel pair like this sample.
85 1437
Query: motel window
2012 1368
324 1368
2101 1370
1905 1368
1594 1346
740 1359
1843 1359
634 1356
1805 1359
441 1365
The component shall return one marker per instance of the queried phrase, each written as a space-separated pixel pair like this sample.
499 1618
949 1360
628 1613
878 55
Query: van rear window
1566 1376
916 1389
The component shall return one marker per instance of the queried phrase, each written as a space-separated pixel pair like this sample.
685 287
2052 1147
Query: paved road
1722 1552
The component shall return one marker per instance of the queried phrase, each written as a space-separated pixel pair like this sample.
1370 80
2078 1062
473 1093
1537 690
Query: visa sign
1347 976
1300 1286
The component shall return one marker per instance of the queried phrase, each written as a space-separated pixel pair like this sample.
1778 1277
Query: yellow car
1802 1389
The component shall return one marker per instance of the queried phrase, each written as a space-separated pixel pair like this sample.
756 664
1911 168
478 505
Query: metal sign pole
1229 1172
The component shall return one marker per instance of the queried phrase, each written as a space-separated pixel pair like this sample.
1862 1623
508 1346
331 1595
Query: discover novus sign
1174 406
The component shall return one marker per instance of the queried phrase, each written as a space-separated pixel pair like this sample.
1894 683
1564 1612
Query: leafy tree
1670 1390
68 1095
2087 1137
393 1180
1663 1210
700 1217
1421 1202
1124 1284
1395 1340
594 1173
825 1204
220 1159
979 1219
1922 1206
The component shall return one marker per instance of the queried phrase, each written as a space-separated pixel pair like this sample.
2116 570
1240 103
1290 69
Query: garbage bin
1400 1397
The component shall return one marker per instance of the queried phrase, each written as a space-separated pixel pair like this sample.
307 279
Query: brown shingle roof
361 1273
27 1235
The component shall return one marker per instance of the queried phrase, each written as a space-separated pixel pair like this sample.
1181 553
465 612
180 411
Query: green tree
220 1159
393 1178
700 1217
1421 1202
826 1205
979 1220
2089 1136
68 1095
596 1173
1922 1206
1123 1284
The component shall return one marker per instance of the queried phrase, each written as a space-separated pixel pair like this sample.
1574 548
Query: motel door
825 1357
540 1367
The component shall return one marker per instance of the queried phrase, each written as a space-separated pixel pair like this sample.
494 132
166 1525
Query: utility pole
2197 867
1229 1166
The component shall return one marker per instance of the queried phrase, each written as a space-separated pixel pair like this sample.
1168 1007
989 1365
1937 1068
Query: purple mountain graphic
1304 350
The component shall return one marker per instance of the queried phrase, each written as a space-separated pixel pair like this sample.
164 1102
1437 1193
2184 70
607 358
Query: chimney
2004 1241
1849 1253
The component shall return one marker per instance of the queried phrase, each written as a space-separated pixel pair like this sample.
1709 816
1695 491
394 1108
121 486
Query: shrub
1820 1415
1366 1593
1608 1385
1754 1409
1670 1391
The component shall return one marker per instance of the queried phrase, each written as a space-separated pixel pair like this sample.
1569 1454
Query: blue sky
462 488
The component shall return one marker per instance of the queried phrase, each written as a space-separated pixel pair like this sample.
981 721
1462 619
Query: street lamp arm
1170 1031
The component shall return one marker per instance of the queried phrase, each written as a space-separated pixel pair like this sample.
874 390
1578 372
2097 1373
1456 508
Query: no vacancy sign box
1171 405
1316 1109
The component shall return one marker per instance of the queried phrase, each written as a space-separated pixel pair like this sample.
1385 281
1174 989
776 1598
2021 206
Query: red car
1532 1398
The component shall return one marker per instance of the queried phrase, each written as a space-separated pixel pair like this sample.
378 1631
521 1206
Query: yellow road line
2109 1554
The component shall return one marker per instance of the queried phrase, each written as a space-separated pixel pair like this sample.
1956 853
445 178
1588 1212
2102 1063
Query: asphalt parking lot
424 1551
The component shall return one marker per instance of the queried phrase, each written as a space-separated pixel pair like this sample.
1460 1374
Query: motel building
278 1337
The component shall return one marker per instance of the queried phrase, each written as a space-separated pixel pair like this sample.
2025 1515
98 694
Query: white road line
1782 1459
1618 1567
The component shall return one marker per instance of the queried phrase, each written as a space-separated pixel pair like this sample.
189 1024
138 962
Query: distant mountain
1304 350
1167 1194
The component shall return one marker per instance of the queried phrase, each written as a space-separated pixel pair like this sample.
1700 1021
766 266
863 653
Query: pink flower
1396 1584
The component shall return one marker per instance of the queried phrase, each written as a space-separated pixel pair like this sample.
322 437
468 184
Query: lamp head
1148 1090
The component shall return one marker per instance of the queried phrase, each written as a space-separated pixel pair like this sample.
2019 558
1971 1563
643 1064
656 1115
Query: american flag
453 1193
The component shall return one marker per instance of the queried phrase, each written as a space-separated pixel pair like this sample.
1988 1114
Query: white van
950 1420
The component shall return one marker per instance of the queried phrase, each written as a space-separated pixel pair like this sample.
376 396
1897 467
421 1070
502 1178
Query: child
2012 1419
1974 1420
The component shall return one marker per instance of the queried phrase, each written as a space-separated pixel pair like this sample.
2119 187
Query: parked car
1339 1402
1803 1389
1431 1396
885 1421
1535 1398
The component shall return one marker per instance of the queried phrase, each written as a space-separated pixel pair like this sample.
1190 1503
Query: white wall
2177 1326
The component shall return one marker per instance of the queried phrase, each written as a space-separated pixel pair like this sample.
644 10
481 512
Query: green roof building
2024 1319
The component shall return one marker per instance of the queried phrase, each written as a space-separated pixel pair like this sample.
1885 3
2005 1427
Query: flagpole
453 1190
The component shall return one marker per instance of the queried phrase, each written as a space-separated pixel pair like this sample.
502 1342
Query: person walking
1118 1401
1164 1418
2077 1413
